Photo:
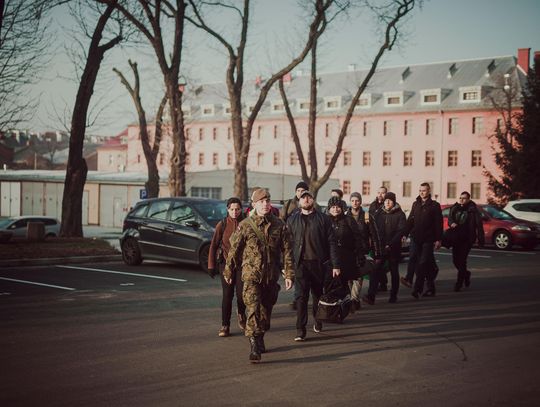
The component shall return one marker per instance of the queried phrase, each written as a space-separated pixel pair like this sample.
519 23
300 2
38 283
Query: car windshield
211 211
5 222
498 213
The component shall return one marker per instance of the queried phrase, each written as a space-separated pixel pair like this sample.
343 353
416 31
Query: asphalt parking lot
108 334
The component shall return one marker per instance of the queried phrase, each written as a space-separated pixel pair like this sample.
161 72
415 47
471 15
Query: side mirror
193 224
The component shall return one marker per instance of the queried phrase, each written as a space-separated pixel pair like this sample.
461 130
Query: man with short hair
378 202
465 221
315 259
425 225
291 205
256 249
337 192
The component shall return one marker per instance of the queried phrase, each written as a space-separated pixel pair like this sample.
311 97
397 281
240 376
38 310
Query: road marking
503 252
121 272
470 255
35 283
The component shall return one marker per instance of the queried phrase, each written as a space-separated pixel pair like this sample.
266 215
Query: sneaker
224 331
405 282
300 336
317 327
241 321
368 300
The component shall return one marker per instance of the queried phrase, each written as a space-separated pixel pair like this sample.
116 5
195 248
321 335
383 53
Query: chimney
523 59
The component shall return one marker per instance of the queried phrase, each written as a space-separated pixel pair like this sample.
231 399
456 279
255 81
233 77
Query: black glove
212 273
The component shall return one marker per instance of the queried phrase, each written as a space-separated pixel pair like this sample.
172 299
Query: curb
59 260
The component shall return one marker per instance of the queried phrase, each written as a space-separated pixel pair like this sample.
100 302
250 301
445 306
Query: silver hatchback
16 226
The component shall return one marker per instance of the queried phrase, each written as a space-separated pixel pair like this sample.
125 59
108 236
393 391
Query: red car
503 229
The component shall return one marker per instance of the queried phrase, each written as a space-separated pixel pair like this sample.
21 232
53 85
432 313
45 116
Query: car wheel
203 257
502 240
131 253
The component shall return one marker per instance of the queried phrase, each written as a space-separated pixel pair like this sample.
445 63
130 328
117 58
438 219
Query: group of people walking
315 249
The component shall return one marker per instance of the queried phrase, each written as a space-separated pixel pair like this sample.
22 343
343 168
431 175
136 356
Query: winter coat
289 208
364 231
425 222
324 239
257 261
375 206
388 230
469 223
219 247
350 245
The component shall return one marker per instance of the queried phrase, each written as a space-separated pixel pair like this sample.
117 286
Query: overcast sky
441 31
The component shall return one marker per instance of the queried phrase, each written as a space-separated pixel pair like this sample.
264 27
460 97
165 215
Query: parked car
171 229
503 229
15 227
528 209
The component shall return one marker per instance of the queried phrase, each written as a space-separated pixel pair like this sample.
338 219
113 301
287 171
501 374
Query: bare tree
150 151
23 55
76 166
390 15
151 24
241 129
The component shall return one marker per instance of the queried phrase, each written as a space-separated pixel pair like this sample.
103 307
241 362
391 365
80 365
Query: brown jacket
225 235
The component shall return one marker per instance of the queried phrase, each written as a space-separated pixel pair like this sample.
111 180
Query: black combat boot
260 343
255 355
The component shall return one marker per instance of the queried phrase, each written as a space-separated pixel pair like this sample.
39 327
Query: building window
475 190
477 125
276 159
327 130
387 128
229 158
453 125
452 158
201 134
260 159
188 133
201 158
227 109
276 131
470 94
327 157
215 158
366 158
430 127
407 128
386 158
229 133
214 133
366 188
430 158
259 132
476 158
206 192
430 96
293 158
430 99
364 102
161 158
407 189
451 190
207 110
278 107
346 187
188 159
332 103
111 159
138 158
407 158
393 99
386 184
303 105
366 129
347 158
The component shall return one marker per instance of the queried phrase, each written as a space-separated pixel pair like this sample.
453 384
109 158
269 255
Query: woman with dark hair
219 249
351 248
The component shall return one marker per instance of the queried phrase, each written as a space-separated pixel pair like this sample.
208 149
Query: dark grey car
175 229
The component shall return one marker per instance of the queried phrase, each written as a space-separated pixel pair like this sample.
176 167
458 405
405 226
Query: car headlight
521 227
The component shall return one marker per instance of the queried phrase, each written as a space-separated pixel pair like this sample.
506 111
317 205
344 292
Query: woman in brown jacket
219 249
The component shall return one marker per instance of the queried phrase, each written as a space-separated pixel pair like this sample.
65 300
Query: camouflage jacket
250 256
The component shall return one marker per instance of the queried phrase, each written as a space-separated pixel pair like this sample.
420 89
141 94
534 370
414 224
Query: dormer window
207 110
187 111
430 96
393 99
250 107
303 105
278 107
470 94
227 110
332 103
364 102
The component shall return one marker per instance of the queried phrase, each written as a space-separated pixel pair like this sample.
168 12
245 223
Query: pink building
417 123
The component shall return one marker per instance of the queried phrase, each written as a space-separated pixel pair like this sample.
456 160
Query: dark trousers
426 267
413 261
228 295
312 279
380 272
460 252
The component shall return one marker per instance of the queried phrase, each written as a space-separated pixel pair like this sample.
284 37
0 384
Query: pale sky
441 31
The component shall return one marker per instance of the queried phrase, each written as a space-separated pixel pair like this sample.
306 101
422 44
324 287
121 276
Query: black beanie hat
391 196
337 201
302 185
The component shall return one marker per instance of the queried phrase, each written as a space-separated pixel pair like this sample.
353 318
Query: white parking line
35 283
503 252
470 255
121 272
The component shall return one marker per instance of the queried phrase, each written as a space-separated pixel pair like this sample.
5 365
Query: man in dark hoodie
464 218
387 230
425 225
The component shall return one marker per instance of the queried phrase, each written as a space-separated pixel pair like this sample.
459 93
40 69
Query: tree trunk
76 166
177 175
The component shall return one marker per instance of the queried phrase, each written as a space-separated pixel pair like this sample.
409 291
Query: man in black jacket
425 225
315 254
464 218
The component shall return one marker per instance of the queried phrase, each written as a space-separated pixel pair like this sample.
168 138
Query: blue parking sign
142 193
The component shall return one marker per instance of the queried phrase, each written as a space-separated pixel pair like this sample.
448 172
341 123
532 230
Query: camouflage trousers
259 299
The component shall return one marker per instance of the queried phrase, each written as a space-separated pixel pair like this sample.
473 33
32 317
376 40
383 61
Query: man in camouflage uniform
256 249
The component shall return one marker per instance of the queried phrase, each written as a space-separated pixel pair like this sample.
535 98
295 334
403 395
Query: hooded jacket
469 222
389 225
